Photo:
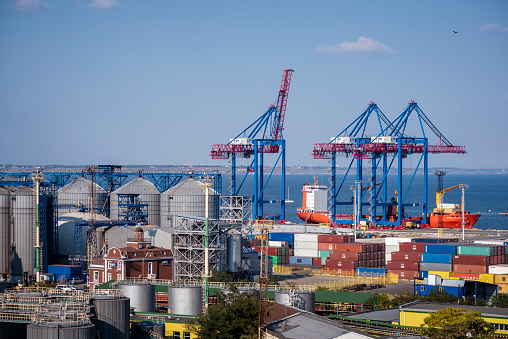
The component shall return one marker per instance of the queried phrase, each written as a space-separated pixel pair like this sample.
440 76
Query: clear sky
159 81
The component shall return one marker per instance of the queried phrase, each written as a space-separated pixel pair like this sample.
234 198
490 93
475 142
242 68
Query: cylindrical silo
60 331
304 300
112 317
234 250
142 296
187 198
23 255
147 194
76 196
185 300
5 203
145 329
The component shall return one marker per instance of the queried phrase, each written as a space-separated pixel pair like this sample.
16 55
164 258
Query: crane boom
440 195
278 124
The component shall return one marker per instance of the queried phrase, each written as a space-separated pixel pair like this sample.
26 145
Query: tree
383 301
218 276
456 323
439 296
501 301
234 316
403 298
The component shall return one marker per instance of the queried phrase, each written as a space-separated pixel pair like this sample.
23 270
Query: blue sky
159 81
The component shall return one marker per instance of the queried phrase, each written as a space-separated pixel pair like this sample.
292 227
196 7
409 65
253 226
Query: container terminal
130 254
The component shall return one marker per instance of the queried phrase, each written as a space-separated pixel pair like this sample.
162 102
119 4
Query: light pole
356 199
463 187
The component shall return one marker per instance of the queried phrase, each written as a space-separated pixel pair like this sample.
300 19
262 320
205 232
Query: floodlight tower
263 136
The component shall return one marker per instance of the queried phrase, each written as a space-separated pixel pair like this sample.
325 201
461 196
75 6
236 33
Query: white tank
147 194
304 300
185 300
142 296
23 255
234 250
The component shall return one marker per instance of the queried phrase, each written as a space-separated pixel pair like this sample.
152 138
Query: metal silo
23 254
5 203
304 300
76 196
234 250
142 296
112 315
185 299
187 198
60 331
143 191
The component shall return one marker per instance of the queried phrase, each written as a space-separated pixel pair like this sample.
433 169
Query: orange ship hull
454 220
311 217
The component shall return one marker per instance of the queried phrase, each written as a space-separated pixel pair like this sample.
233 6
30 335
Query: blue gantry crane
261 137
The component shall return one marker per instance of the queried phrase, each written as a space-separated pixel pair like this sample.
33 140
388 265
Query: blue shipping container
436 258
370 272
441 249
282 237
424 274
300 261
67 271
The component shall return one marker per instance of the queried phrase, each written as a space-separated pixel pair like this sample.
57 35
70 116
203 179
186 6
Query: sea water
487 194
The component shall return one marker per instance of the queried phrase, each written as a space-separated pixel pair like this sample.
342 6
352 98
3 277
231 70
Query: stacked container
350 256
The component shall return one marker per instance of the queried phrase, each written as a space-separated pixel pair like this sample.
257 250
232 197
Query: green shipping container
475 250
324 254
275 260
323 261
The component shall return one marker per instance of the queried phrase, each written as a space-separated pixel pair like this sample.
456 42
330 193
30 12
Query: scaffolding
189 247
131 208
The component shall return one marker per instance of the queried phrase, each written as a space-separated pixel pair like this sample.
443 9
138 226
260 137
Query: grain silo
5 203
76 196
188 198
23 252
135 196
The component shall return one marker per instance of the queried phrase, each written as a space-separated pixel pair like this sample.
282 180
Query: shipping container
466 276
440 249
403 265
411 256
442 274
354 247
502 288
326 246
305 237
477 250
335 239
350 264
334 270
498 269
347 255
412 247
305 253
300 261
472 259
461 268
501 278
404 274
430 266
371 272
393 241
436 258
324 254
487 278
434 240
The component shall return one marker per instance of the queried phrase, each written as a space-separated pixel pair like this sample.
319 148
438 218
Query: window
119 266
441 289
150 268
423 288
109 276
95 275
186 335
176 335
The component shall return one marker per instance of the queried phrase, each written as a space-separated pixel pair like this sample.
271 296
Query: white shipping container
273 243
388 257
309 245
299 252
498 269
491 242
395 241
306 237
391 248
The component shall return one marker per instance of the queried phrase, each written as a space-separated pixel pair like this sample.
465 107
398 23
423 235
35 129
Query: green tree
234 316
218 276
439 296
403 298
501 301
456 323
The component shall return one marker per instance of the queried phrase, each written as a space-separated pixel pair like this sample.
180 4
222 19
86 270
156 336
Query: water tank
112 315
75 197
304 300
144 329
234 250
23 255
142 296
187 198
147 194
35 331
185 300
5 203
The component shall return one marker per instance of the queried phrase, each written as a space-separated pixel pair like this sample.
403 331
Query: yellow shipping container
502 288
443 274
501 278
487 278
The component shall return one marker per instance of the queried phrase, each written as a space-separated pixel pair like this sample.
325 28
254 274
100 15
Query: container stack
279 247
348 257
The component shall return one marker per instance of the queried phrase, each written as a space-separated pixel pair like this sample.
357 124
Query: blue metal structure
262 136
393 141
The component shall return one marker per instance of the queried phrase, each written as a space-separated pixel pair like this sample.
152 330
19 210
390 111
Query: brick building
138 259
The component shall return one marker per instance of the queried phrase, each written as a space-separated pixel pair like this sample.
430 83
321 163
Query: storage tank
304 300
23 254
147 194
5 203
142 296
187 198
75 197
144 329
234 250
185 299
60 331
112 315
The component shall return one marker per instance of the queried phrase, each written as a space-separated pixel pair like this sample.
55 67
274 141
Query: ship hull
453 220
311 217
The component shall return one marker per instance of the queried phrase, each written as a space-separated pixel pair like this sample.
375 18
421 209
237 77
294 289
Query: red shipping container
404 274
472 260
346 255
326 246
476 269
403 256
333 238
352 247
341 263
412 247
470 276
316 261
403 265
272 251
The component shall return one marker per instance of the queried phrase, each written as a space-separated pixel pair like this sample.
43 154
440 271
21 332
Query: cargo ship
314 210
